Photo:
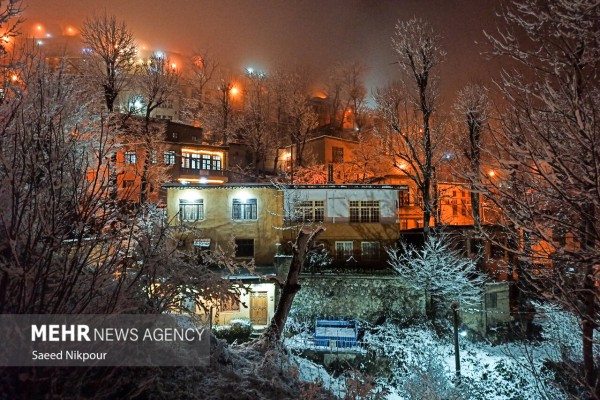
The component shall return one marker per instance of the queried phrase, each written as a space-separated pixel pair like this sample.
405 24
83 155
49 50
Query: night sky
314 33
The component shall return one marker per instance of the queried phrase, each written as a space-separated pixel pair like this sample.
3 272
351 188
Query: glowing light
188 181
39 27
243 196
195 151
48 35
173 65
286 156
463 333
250 70
14 77
198 62
492 173
234 91
159 54
190 194
6 39
39 42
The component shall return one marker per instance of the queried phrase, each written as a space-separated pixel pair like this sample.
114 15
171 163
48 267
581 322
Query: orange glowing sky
315 33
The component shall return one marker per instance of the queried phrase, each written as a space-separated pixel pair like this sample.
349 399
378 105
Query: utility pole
454 307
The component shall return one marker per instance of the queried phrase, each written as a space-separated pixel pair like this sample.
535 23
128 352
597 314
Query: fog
312 33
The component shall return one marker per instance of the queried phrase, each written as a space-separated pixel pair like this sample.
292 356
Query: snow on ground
422 365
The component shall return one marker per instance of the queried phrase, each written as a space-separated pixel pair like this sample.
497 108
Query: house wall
337 218
337 201
224 317
492 311
218 224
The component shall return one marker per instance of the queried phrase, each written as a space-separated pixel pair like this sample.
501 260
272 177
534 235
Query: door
259 308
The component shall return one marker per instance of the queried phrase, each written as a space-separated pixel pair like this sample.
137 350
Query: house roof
177 185
354 186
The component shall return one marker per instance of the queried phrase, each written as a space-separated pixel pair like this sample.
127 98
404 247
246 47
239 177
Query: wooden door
259 308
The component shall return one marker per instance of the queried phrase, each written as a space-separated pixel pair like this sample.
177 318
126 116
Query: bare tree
354 93
110 55
203 68
10 19
303 244
548 184
53 255
218 112
407 109
156 81
472 106
347 92
255 122
294 114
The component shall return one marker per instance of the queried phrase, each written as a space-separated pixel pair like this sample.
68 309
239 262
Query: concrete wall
356 296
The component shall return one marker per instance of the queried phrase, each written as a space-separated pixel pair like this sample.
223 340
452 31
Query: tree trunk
304 241
591 309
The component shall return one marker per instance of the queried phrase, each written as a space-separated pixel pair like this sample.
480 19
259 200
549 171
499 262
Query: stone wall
356 296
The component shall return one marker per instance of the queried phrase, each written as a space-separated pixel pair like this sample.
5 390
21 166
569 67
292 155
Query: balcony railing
194 173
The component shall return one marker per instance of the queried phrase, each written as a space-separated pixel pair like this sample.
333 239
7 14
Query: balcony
196 174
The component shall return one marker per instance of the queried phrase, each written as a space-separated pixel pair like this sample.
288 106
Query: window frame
337 155
191 208
244 210
310 211
364 211
372 254
130 157
169 157
247 244
347 250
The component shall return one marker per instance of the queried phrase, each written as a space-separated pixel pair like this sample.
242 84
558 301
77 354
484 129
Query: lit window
216 163
310 211
244 209
343 250
130 157
190 160
364 211
154 160
169 157
191 210
370 251
205 161
244 247
174 135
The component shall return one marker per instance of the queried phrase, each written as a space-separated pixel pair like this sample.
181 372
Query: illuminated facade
181 156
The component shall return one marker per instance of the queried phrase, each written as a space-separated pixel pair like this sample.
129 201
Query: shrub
238 331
